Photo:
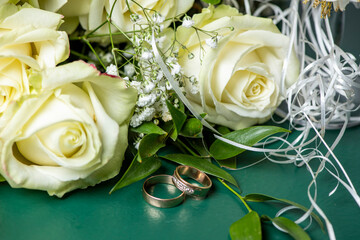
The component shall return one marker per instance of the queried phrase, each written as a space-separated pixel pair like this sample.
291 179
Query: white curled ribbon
332 73
314 102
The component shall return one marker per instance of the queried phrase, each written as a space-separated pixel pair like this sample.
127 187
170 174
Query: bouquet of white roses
145 75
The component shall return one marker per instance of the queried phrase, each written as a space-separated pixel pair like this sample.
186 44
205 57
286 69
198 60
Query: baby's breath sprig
142 71
136 63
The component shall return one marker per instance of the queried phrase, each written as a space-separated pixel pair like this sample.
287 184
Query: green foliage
150 144
229 163
137 171
291 228
148 128
199 145
247 136
2 179
246 228
178 118
223 130
214 2
256 197
192 128
202 164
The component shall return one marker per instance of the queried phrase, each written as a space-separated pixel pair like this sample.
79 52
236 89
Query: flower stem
238 195
82 56
93 50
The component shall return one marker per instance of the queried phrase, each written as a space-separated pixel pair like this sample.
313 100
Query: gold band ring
161 202
195 191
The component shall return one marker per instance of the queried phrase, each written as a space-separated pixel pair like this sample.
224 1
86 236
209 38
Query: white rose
121 14
28 38
71 135
93 13
239 70
72 10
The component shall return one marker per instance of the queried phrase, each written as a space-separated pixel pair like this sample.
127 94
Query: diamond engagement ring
161 202
195 191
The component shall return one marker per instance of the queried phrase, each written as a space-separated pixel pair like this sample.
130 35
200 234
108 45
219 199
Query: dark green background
94 214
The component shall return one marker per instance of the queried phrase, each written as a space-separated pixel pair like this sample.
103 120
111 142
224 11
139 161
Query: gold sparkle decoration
325 7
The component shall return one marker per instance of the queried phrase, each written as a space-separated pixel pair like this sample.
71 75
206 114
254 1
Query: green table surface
94 214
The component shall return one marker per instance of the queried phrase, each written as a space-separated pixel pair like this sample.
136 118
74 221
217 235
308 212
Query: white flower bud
112 70
149 86
135 18
187 22
157 18
129 70
146 55
213 41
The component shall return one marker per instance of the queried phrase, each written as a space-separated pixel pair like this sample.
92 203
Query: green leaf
212 1
229 163
178 118
2 179
198 145
246 228
148 128
202 164
256 197
137 171
247 136
203 115
292 228
192 128
223 130
150 144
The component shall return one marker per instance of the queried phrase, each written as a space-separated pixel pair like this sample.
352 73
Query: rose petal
52 5
34 17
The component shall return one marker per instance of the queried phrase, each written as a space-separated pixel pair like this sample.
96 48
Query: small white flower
112 70
149 86
136 145
129 70
157 18
187 22
162 109
213 41
162 27
146 100
108 57
160 75
170 60
137 40
137 85
175 69
162 88
146 55
135 18
135 120
92 56
174 65
194 85
194 89
168 86
145 65
129 53
148 114
166 116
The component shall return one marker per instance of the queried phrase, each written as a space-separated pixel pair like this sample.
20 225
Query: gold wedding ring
161 202
195 191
